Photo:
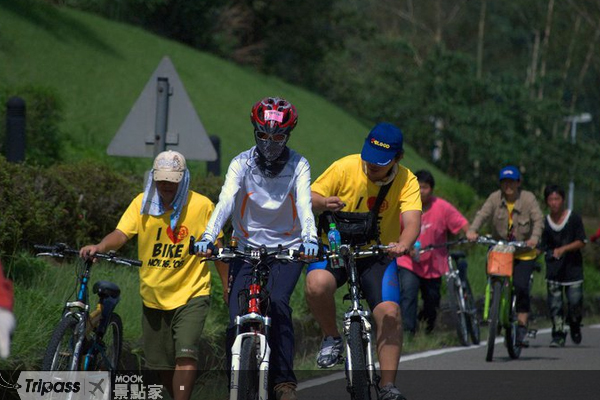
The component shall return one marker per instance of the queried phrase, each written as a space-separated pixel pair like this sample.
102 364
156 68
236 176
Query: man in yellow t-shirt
514 214
174 285
352 184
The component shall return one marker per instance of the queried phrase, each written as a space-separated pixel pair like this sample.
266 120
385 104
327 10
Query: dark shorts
173 334
378 277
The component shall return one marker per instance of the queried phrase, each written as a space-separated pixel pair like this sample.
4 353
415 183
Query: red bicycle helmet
274 115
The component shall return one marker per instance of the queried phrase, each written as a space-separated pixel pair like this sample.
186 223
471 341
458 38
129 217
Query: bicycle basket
355 228
500 260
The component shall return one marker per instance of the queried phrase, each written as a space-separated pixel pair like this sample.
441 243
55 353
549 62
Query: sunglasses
276 137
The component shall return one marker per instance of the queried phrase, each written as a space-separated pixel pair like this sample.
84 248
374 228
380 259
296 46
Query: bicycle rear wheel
60 351
494 313
248 373
459 318
356 372
510 335
111 344
471 314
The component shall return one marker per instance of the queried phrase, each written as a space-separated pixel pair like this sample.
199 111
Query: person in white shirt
267 194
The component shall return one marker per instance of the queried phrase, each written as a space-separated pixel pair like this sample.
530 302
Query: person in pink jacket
7 319
425 274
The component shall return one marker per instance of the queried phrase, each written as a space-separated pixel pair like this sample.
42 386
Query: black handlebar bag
356 228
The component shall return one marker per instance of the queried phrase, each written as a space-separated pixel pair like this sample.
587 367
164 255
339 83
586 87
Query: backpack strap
380 196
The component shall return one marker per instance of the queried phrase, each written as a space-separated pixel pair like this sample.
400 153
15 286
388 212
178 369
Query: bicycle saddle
106 289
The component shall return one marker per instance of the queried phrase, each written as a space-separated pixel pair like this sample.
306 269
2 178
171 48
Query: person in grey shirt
514 214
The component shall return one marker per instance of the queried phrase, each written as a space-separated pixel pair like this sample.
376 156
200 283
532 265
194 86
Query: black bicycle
85 340
460 296
361 374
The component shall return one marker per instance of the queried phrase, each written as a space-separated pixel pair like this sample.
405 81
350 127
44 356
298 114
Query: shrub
68 203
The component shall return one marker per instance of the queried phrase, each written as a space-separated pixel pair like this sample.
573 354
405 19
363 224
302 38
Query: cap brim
375 156
169 176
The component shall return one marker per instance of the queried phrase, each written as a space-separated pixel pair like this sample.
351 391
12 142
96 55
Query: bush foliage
73 203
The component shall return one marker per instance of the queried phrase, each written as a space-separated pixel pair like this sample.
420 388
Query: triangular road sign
185 133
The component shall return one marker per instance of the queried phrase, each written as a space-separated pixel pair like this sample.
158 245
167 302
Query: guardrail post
15 130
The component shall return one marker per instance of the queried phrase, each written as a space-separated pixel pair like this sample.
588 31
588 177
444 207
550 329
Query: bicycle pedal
532 333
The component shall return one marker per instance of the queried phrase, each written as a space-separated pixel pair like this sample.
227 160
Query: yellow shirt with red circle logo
169 275
346 179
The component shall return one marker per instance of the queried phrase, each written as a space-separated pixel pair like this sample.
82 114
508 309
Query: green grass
99 68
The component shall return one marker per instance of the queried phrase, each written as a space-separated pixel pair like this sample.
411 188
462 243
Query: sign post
163 118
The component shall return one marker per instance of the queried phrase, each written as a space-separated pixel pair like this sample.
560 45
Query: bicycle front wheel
510 335
110 345
356 367
248 373
61 349
471 314
494 314
459 317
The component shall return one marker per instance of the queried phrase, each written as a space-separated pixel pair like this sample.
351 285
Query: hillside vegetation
98 68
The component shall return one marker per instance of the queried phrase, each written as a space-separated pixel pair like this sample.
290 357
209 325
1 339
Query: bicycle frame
259 325
79 309
499 308
354 312
506 286
459 294
252 323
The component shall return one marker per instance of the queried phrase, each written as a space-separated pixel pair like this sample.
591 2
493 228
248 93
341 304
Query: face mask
270 149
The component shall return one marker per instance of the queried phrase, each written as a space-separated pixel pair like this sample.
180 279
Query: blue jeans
410 284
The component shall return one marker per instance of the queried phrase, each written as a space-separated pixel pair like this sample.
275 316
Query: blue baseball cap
510 172
382 144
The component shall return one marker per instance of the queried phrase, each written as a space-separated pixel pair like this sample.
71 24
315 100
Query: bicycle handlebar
60 250
228 253
486 240
445 244
489 241
373 250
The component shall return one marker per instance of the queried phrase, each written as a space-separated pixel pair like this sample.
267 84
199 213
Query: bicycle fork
504 305
264 353
367 332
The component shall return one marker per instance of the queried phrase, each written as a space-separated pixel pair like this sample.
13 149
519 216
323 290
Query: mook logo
71 385
380 144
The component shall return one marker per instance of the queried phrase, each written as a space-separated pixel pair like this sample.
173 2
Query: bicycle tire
510 334
358 378
458 316
494 314
472 317
248 373
59 353
112 343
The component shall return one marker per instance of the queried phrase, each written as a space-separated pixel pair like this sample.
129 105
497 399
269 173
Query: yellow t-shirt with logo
346 179
169 275
528 255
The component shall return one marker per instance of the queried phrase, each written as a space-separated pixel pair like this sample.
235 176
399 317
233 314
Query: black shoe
521 335
558 340
576 333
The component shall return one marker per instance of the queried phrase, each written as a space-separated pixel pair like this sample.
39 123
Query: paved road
542 373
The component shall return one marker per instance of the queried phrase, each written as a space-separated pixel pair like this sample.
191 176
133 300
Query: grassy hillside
100 67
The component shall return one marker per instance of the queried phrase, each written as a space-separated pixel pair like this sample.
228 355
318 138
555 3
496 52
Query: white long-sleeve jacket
264 210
